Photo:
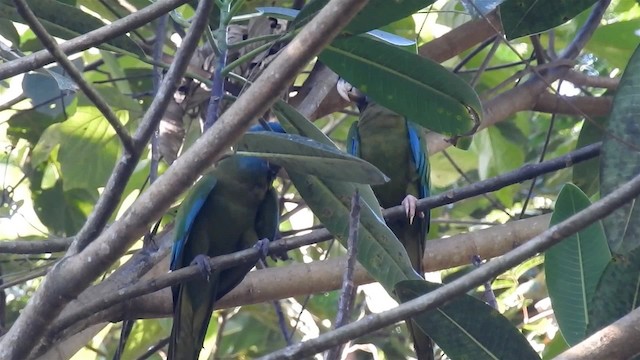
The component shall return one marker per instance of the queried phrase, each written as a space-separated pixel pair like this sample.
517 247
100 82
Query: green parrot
395 146
229 209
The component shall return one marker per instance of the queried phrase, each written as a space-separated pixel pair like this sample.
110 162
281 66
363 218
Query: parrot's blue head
275 127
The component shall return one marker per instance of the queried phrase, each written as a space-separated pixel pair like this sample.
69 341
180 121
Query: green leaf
45 94
9 32
617 293
497 155
375 14
620 159
467 328
88 151
584 175
615 42
66 22
407 84
306 156
526 17
63 212
379 251
574 266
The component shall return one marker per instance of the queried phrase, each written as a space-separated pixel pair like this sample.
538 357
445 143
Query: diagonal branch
550 237
74 273
93 38
75 74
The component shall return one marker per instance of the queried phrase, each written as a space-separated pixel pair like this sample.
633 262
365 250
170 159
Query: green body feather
381 137
228 210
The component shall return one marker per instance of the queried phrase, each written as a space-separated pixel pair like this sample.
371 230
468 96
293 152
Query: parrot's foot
263 246
202 261
410 203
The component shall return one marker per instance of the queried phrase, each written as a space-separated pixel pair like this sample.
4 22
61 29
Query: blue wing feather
187 214
420 159
353 140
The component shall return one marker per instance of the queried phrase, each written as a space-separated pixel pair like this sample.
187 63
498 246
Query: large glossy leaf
467 328
526 17
584 175
379 251
574 266
88 145
65 21
617 293
306 156
375 14
424 91
63 212
620 159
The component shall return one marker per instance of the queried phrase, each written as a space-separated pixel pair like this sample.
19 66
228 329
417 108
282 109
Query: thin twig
161 30
548 238
348 291
217 88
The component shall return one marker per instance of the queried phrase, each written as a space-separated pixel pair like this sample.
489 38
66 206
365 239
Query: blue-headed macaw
395 146
229 209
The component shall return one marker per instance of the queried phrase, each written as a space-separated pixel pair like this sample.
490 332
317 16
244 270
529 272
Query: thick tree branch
110 298
582 79
548 238
574 105
74 273
93 38
616 341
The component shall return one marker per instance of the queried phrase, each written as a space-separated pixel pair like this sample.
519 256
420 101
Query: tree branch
50 245
74 273
597 211
93 38
574 105
616 341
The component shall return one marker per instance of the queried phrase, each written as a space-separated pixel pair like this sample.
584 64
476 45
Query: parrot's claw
410 203
202 261
263 246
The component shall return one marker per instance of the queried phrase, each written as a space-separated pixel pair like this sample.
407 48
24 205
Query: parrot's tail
422 344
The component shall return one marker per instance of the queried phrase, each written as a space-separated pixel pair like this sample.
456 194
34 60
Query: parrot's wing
420 158
187 214
421 161
353 140
268 216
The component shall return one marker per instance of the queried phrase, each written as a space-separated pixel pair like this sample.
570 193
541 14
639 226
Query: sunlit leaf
574 266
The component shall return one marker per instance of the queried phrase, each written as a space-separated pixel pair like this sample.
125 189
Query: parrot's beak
349 92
